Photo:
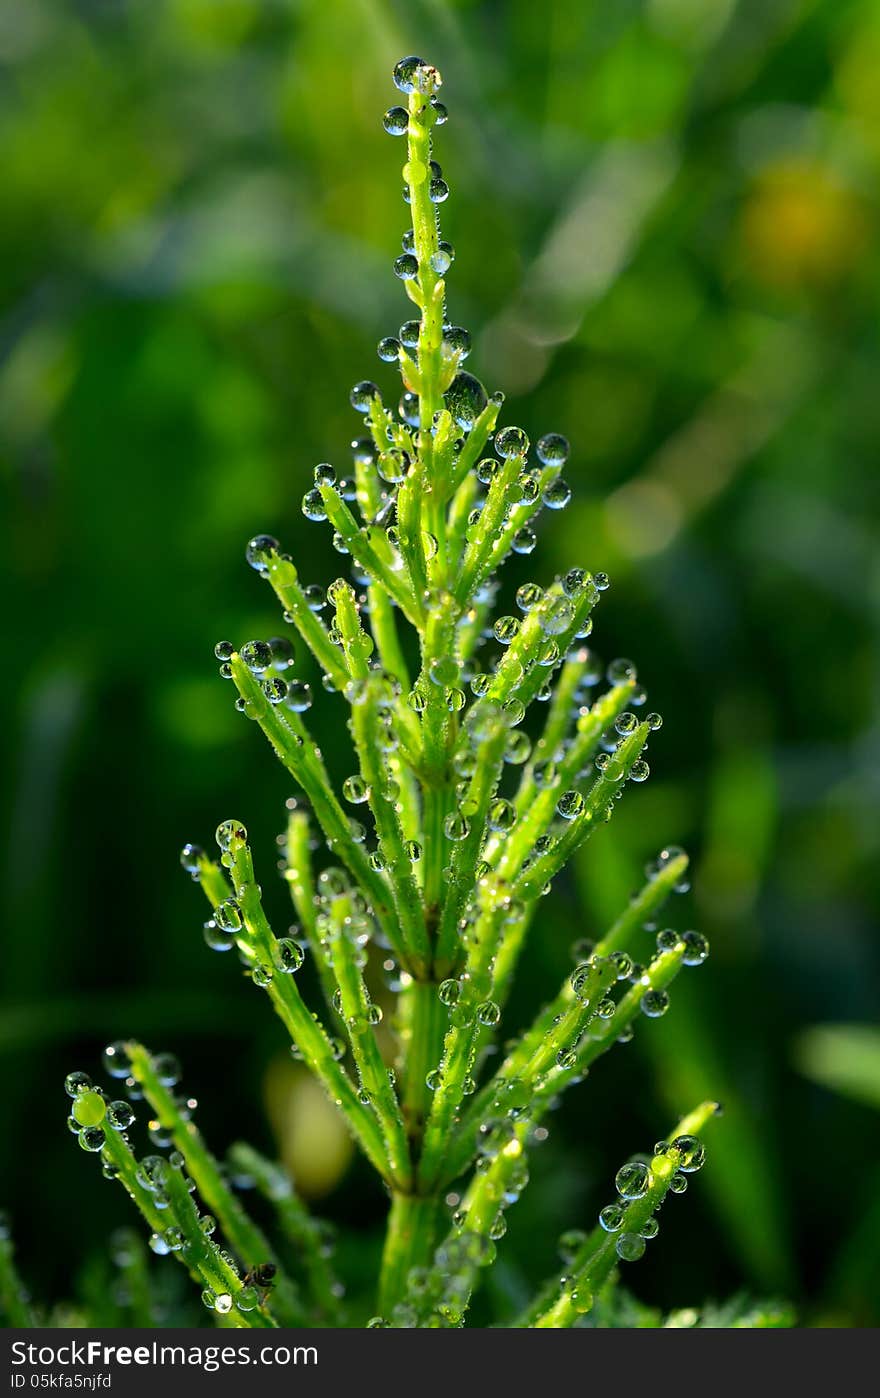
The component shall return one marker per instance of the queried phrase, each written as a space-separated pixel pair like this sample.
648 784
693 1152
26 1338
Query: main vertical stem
413 1218
412 1224
426 1025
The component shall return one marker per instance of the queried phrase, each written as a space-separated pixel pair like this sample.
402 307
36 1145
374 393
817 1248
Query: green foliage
665 224
476 807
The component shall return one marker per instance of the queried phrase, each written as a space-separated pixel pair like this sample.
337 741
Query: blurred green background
665 213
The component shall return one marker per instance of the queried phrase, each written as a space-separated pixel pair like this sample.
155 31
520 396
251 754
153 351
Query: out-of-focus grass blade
842 1057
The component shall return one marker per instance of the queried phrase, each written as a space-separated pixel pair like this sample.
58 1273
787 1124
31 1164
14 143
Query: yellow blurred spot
314 1144
642 517
800 227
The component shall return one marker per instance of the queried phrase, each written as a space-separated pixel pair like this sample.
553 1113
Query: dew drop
465 398
611 1218
229 833
524 541
362 395
257 656
289 955
692 1153
552 449
526 489
396 121
259 555
506 629
633 1180
120 1115
630 1247
501 816
190 857
511 442
355 790
275 689
457 340
667 940
166 1068
570 805
557 617
456 827
388 350
116 1060
409 334
313 506
696 948
654 1003
406 267
557 494
619 671
227 915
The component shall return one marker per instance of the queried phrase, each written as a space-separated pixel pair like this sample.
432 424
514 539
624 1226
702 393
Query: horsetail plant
468 806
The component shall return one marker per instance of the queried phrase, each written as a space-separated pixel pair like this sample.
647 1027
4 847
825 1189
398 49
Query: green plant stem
434 847
471 452
373 1075
431 286
206 1256
556 1307
284 579
299 876
600 1037
412 1224
297 1224
297 752
648 901
259 944
247 1240
384 629
467 853
423 1017
200 1256
360 544
406 892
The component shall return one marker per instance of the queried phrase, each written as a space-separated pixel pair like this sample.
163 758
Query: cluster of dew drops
272 660
93 1115
632 1183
